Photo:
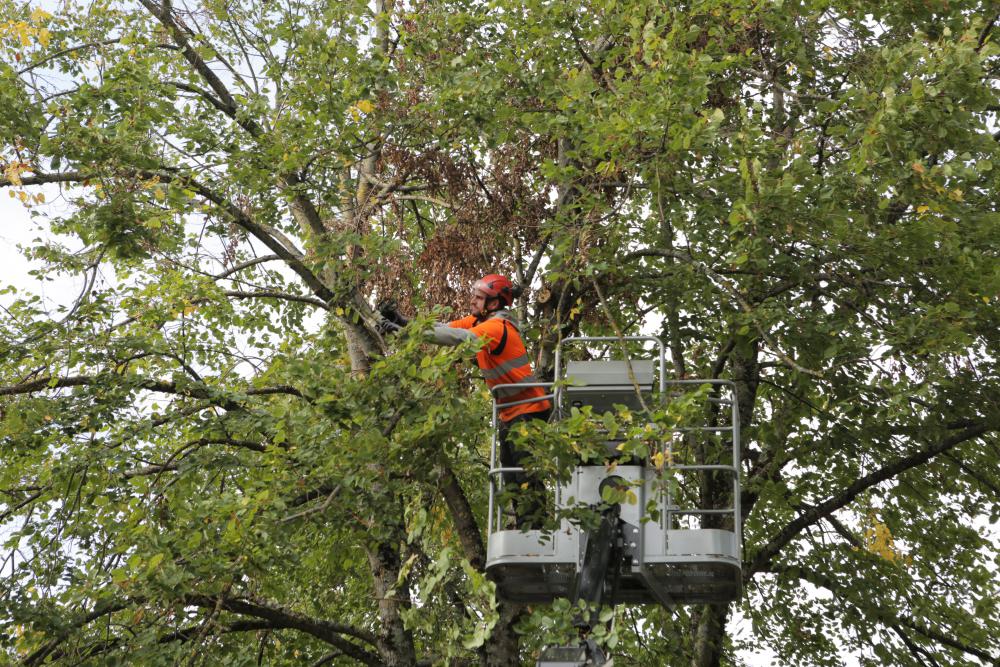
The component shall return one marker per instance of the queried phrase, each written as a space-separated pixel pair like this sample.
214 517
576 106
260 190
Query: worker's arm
459 331
444 334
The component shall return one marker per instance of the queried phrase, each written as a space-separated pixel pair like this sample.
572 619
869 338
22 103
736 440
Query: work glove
389 310
391 320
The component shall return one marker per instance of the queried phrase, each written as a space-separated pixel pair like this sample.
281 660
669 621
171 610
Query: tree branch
720 282
72 49
892 619
193 390
987 29
762 559
245 265
43 179
273 294
272 238
226 100
327 631
303 210
462 515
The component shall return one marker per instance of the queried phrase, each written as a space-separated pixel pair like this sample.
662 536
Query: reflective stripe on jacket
503 360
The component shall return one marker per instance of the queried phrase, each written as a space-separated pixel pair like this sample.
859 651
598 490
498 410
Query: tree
213 454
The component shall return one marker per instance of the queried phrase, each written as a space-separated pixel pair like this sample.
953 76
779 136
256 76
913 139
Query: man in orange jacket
503 360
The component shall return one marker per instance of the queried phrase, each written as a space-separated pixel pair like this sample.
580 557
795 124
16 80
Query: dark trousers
527 490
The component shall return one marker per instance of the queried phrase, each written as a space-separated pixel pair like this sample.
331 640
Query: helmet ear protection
495 286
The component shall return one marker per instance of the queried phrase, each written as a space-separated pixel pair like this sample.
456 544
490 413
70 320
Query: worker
502 360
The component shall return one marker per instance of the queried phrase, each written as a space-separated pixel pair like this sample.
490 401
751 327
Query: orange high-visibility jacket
502 359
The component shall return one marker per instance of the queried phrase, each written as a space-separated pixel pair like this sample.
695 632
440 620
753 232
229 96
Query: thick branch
228 103
42 179
303 210
163 386
763 558
465 520
327 631
275 241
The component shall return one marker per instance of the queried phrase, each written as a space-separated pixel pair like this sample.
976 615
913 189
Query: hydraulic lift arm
603 556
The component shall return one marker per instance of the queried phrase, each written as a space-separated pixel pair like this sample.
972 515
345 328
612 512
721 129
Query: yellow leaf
14 170
923 208
658 460
159 194
190 309
39 15
365 106
23 33
44 36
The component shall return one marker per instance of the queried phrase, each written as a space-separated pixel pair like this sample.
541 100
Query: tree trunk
395 642
502 649
709 634
710 626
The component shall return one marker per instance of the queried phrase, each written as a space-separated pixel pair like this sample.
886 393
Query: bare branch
272 294
245 265
200 92
432 200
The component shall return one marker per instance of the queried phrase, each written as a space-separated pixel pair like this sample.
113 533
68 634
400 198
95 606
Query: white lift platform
671 547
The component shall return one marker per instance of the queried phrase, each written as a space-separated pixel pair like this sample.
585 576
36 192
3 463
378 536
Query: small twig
621 341
313 510
719 281
245 265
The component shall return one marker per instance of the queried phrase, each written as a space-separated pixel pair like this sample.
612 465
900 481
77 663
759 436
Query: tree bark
710 627
502 649
394 641
709 633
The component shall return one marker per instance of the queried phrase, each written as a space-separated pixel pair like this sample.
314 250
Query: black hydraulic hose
597 559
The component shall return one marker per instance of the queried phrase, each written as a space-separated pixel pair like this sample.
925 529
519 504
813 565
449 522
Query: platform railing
496 473
672 511
661 356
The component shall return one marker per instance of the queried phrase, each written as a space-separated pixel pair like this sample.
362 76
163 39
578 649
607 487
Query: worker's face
480 301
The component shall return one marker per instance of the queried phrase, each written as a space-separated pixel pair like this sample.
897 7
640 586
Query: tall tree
213 455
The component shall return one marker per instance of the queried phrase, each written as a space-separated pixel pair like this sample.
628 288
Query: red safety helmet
496 286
